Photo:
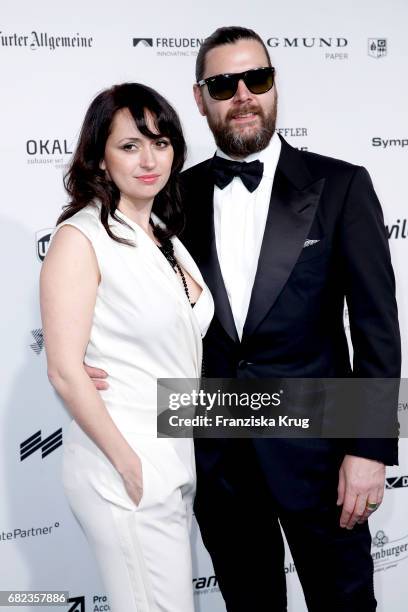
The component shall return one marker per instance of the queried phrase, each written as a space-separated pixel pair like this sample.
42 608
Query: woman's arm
68 286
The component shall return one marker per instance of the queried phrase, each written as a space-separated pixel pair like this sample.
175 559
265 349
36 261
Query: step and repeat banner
341 78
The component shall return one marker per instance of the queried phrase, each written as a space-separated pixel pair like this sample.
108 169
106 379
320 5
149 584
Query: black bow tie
224 171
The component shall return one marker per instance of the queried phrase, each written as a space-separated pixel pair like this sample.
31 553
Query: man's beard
236 143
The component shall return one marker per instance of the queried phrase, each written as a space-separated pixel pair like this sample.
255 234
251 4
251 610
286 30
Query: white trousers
143 552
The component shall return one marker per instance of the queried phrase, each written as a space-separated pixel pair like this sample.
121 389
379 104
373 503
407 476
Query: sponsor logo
389 142
48 151
328 44
38 343
377 47
398 230
34 443
170 46
146 42
47 147
387 553
402 406
100 603
42 241
293 132
43 40
297 42
27 532
397 482
205 584
78 604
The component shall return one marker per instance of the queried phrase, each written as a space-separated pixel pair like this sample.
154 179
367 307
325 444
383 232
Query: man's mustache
242 110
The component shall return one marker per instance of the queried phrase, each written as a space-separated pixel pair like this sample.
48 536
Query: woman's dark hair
225 36
86 182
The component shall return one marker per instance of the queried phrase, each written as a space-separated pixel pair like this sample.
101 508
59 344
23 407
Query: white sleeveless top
143 326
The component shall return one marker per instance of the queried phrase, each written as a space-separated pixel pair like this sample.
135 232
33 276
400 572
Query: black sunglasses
224 86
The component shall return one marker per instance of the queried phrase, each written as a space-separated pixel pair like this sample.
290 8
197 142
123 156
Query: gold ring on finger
371 506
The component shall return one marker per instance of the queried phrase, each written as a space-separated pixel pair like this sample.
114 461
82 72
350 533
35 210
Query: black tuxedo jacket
294 326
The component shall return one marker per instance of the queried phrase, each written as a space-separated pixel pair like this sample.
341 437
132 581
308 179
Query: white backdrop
345 96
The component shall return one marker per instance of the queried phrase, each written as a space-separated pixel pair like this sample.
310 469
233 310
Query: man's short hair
224 36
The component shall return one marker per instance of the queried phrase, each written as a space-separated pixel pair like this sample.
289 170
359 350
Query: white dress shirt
239 224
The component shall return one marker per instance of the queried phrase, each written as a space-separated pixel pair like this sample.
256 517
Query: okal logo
48 151
146 42
389 552
398 482
38 343
34 443
50 146
78 604
42 242
377 47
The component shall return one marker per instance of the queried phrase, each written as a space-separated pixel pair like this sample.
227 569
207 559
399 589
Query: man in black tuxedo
282 242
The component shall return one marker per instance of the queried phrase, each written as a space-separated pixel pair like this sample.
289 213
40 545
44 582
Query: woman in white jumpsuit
122 301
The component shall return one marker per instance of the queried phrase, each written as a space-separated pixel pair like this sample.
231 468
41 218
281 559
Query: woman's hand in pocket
132 476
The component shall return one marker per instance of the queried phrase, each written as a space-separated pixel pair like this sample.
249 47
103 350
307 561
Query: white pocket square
309 243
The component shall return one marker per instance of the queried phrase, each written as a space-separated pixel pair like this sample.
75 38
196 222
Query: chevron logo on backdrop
34 443
147 42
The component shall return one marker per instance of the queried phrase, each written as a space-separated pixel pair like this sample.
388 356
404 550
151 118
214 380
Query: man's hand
360 490
97 376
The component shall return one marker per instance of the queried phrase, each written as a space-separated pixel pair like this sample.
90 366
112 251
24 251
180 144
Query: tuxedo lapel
205 253
294 200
